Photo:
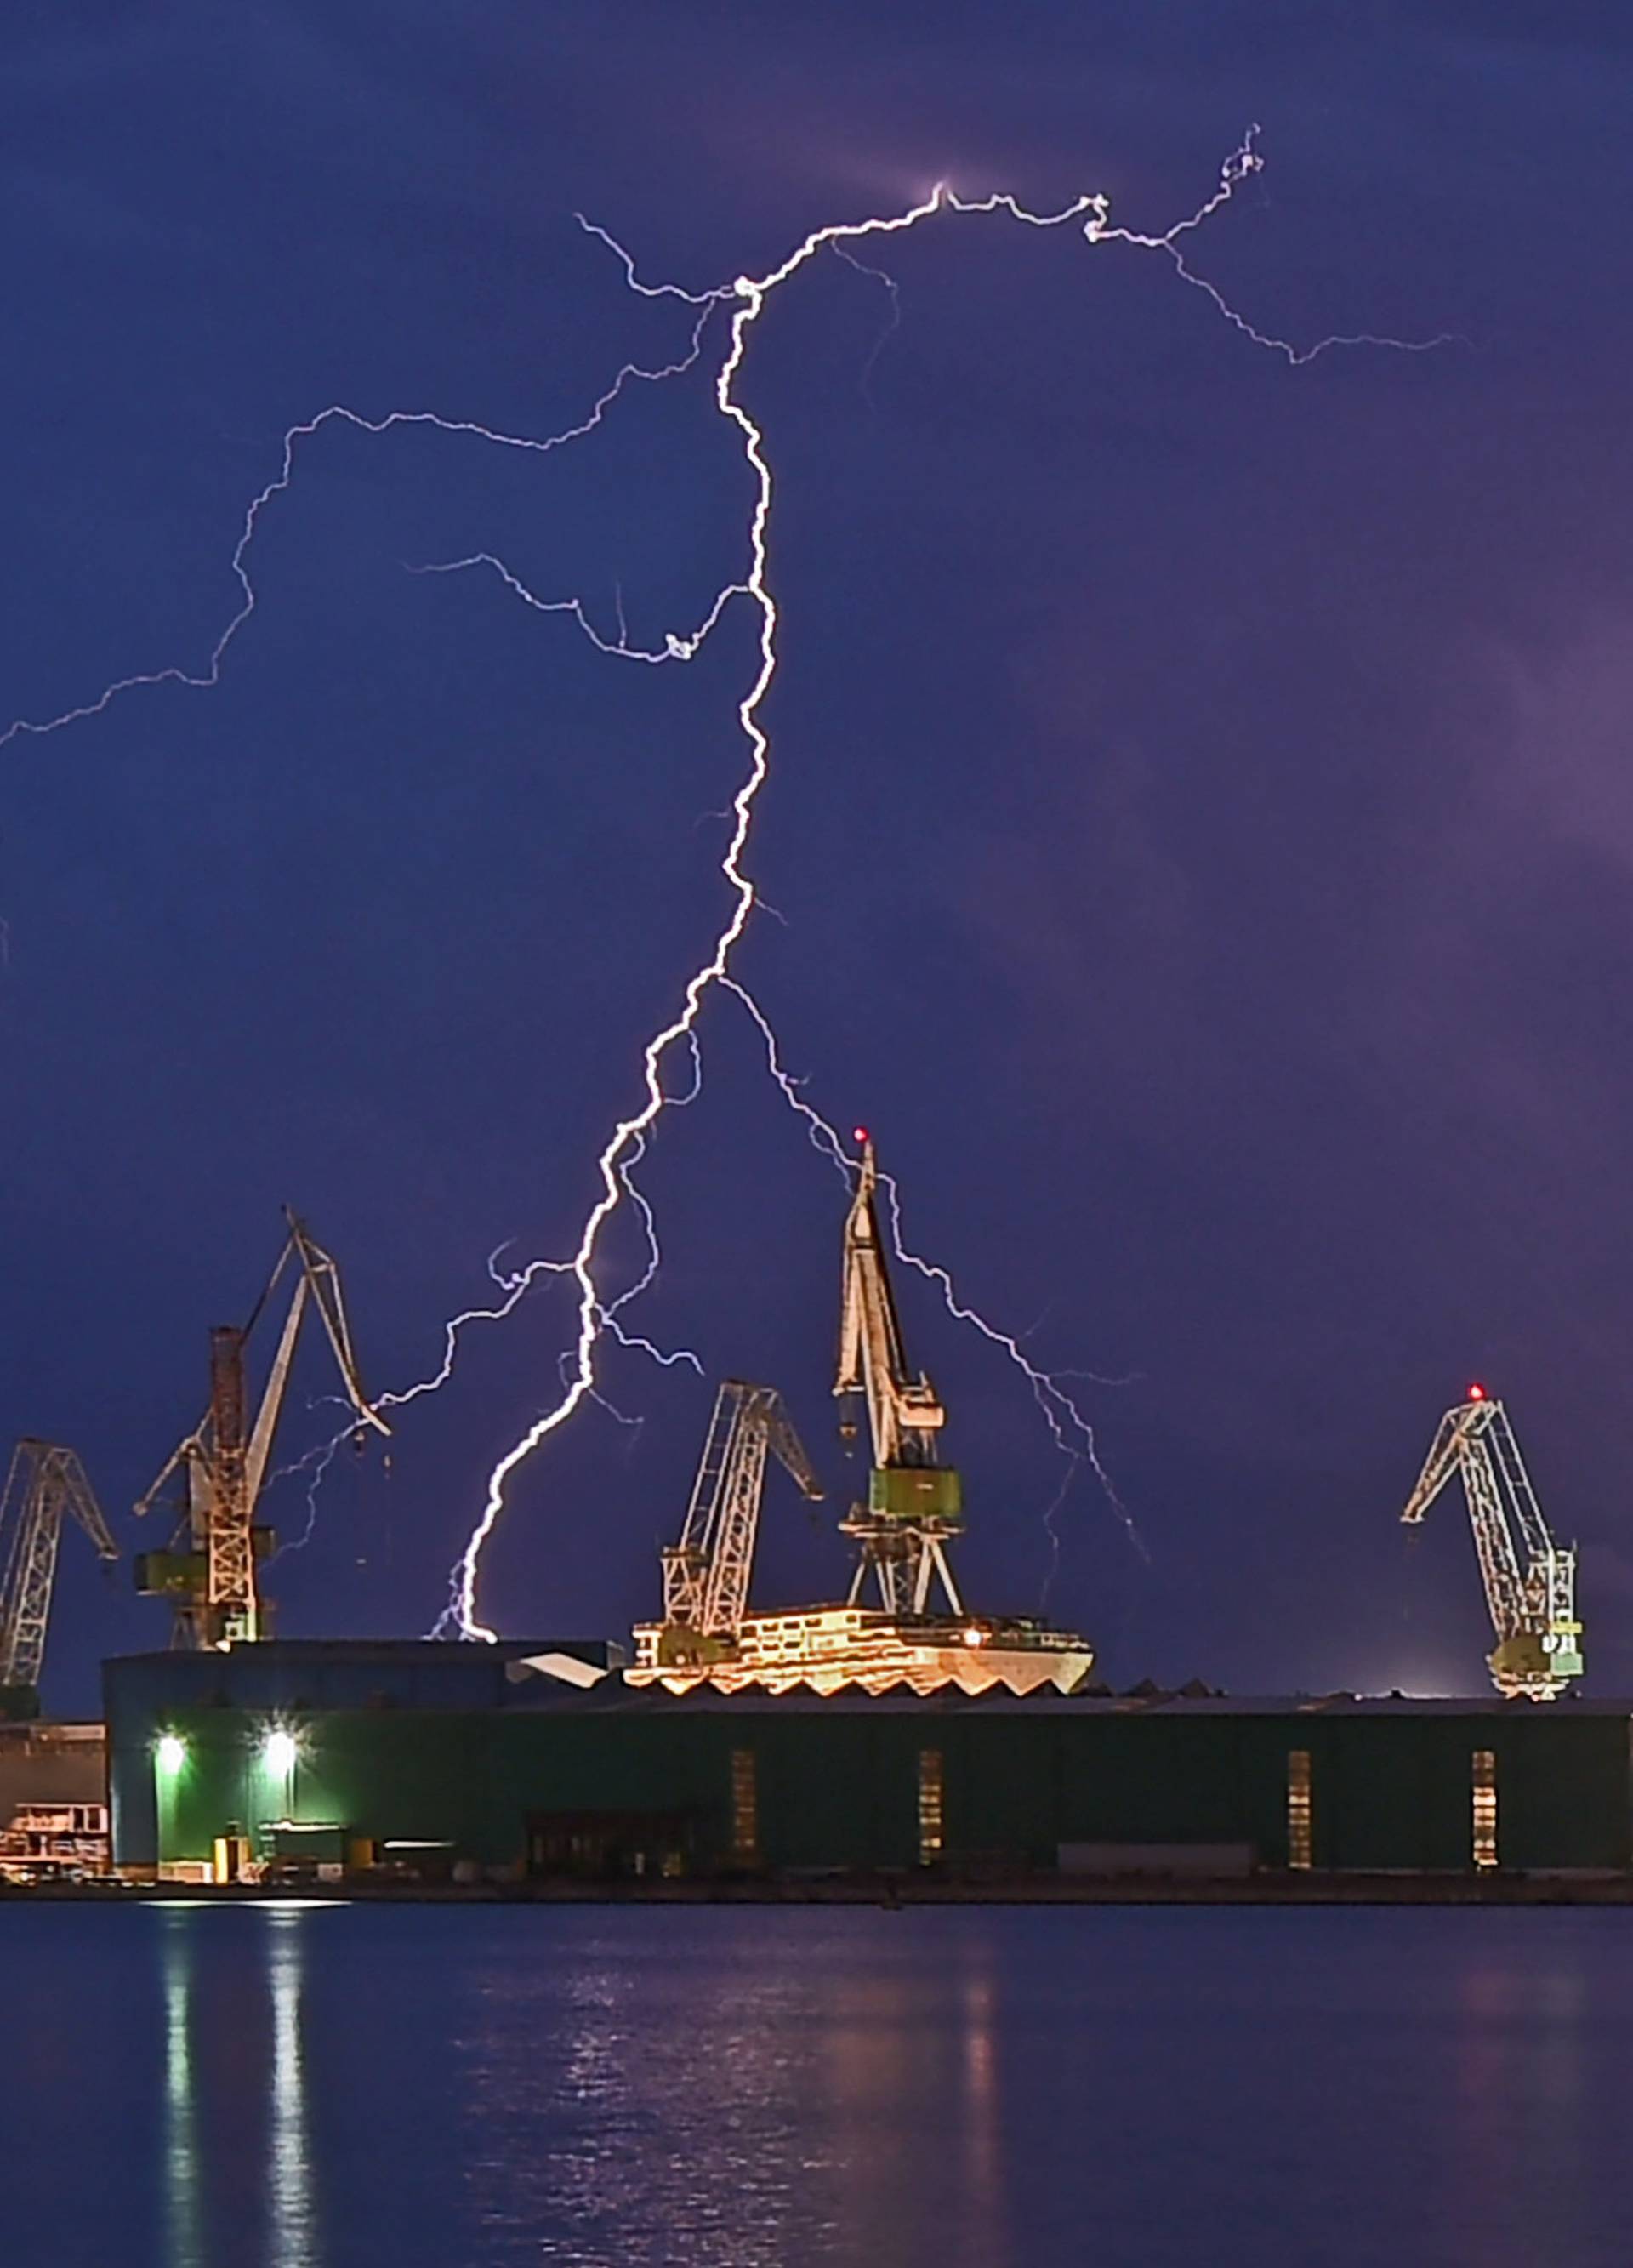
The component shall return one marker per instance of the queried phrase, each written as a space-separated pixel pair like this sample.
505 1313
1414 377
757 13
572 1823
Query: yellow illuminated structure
914 1629
1483 1805
1300 1837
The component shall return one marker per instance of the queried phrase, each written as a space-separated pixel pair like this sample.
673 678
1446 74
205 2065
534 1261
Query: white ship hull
827 1650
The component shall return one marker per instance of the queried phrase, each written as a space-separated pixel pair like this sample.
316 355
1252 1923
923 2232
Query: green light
173 1752
279 1752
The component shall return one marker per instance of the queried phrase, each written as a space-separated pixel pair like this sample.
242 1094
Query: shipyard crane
915 1504
46 1484
1530 1580
706 1575
209 1568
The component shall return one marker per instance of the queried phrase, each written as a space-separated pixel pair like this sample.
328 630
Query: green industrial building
537 1760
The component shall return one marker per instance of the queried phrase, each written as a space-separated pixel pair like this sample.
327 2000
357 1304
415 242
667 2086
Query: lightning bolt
515 1285
1070 1430
865 386
747 299
200 680
1239 166
515 1289
314 1462
675 646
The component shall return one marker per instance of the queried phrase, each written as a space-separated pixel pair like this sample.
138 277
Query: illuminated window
931 1815
745 1805
1484 1789
1298 1806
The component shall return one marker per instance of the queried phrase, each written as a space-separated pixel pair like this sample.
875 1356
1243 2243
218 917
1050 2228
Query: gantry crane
1530 1580
915 1504
706 1575
209 1568
46 1483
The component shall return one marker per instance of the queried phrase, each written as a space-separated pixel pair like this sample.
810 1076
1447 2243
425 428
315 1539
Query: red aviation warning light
859 1134
1476 1392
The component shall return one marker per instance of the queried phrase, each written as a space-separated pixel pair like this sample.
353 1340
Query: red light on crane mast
858 1134
1476 1392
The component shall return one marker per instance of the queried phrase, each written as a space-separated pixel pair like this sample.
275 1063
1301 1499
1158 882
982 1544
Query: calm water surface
343 2086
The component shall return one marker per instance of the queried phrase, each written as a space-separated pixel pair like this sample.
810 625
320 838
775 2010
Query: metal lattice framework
706 1575
1530 1580
904 1528
225 1470
905 1414
46 1483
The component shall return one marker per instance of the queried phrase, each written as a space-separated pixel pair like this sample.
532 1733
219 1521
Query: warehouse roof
343 1673
611 1694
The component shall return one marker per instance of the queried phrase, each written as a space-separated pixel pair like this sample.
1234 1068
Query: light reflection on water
741 2099
290 2216
290 2212
184 2245
303 2087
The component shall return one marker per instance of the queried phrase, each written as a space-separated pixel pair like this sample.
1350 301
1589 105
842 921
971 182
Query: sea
367 2086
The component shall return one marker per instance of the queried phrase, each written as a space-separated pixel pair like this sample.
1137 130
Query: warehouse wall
49 1763
841 1783
230 1699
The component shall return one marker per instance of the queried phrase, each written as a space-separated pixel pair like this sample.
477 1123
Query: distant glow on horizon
1411 1680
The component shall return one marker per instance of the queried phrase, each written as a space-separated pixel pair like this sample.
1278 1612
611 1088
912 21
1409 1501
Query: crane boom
213 1579
706 1575
915 1504
905 1414
46 1483
1529 1579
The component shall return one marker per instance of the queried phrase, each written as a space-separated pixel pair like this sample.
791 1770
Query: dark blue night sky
1200 819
